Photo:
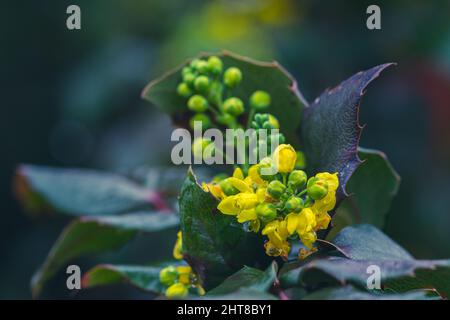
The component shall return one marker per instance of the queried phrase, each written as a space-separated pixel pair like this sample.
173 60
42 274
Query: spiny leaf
365 242
371 187
90 235
82 192
397 275
330 130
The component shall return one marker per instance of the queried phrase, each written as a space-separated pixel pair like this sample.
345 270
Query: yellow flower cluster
180 279
286 205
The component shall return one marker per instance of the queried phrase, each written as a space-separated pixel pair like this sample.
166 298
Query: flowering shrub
295 233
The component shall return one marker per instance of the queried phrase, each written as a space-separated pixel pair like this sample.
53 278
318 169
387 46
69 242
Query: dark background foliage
72 98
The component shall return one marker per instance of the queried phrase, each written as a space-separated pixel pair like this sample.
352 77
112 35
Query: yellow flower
184 274
284 158
177 249
277 233
322 206
177 290
303 223
244 203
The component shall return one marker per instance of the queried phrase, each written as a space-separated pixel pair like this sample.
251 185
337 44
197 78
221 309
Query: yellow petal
284 157
240 185
246 200
323 220
270 227
308 239
177 290
177 249
247 215
261 194
229 206
292 220
254 175
238 174
331 179
307 221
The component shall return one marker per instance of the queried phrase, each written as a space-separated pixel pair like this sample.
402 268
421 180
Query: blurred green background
72 98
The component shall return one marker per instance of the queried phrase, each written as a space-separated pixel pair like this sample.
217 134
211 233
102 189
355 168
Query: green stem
250 117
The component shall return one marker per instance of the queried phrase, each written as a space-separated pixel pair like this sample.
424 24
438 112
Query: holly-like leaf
143 277
365 242
397 275
214 244
287 102
247 277
91 235
330 130
368 202
365 247
82 192
351 293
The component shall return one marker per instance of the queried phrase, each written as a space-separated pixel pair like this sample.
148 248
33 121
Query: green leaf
330 130
397 275
91 235
247 277
368 202
82 192
287 102
214 244
351 293
365 242
143 277
365 246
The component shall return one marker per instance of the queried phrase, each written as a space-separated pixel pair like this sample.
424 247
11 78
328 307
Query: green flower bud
233 106
266 163
186 70
168 275
266 211
228 188
184 90
215 65
294 204
260 100
198 147
201 84
317 189
189 78
276 189
202 67
226 119
194 63
197 103
203 118
297 179
232 77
